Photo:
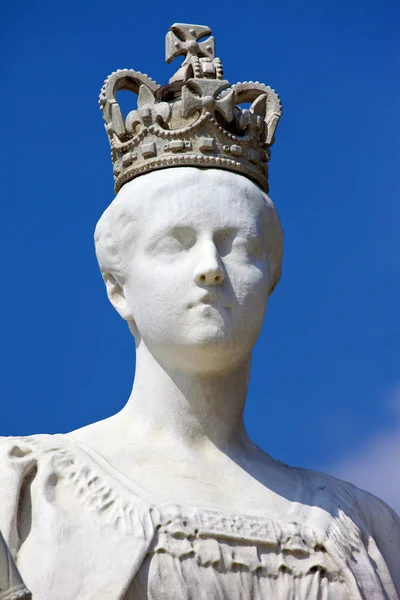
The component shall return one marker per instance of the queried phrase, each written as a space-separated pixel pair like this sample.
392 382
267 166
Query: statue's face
197 281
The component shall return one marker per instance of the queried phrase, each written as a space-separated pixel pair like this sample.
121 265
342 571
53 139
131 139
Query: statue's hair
115 232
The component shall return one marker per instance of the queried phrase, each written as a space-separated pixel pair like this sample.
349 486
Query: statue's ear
116 296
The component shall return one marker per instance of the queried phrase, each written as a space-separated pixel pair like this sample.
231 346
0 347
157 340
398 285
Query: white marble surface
170 498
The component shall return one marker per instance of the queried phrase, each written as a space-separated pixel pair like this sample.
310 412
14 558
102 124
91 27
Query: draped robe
80 530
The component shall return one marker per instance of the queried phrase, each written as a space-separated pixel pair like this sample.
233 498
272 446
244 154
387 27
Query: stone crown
195 120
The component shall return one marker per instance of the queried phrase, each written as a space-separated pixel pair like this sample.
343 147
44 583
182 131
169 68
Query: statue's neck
170 406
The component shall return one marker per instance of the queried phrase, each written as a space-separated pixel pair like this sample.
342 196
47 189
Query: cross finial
184 39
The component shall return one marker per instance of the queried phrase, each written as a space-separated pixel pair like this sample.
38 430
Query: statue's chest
219 484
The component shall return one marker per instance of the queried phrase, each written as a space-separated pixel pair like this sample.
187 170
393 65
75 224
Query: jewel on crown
195 120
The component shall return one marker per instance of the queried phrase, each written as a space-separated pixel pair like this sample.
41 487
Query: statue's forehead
222 202
212 211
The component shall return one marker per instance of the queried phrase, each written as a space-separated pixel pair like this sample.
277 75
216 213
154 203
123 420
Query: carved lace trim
263 560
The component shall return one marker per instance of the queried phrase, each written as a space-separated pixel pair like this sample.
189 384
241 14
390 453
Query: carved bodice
202 554
75 523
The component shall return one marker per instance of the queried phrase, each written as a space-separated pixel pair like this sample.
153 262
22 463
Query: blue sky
325 391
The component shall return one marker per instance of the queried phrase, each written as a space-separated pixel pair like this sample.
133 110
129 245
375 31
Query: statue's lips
210 299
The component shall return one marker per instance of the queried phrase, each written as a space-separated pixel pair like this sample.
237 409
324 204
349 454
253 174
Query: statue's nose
209 269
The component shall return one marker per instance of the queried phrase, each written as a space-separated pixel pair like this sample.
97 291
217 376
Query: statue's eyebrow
171 229
230 230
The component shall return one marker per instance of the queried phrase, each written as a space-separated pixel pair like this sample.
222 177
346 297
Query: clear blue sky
325 390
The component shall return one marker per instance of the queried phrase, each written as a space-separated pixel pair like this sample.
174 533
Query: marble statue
169 499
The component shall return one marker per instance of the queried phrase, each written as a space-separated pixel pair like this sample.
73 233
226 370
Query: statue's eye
224 241
248 246
234 243
167 245
176 240
186 236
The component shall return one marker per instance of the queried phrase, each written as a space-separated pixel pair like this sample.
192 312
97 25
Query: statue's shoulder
348 496
23 456
378 523
20 459
12 447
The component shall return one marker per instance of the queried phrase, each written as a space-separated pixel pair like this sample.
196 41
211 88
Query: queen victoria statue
169 499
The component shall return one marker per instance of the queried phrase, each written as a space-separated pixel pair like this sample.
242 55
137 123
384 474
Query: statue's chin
205 352
209 341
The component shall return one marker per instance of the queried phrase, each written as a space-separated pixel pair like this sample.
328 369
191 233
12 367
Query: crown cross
184 39
207 99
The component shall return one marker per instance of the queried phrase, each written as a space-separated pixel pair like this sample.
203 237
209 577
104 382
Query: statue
170 498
